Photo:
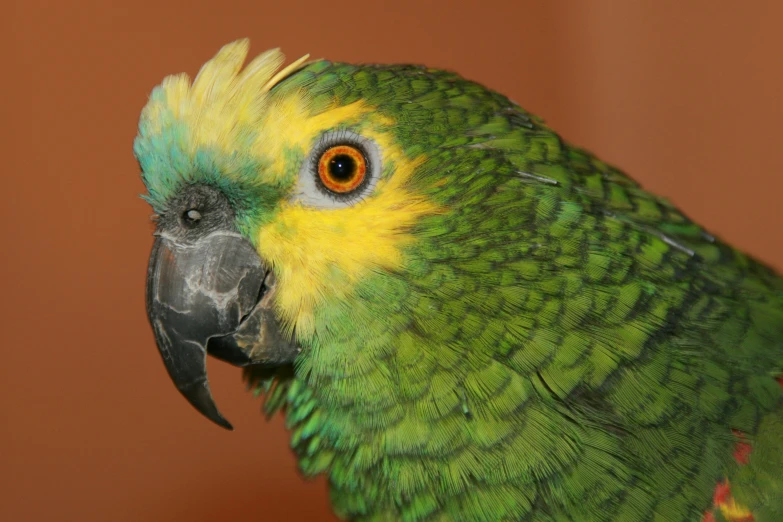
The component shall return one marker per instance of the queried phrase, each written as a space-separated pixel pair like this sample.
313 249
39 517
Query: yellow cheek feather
323 253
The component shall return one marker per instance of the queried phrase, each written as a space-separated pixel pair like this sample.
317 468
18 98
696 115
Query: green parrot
462 316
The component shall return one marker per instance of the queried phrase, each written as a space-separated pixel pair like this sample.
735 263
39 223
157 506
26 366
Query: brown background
684 95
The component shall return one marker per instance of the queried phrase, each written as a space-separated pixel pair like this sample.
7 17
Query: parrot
461 315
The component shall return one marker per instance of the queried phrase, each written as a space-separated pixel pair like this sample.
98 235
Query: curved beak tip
222 422
199 396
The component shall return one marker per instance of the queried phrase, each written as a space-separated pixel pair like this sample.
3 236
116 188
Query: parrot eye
341 168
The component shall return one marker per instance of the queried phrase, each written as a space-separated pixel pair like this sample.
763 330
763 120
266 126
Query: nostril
191 217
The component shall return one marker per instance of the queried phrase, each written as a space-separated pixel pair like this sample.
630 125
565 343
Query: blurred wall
683 95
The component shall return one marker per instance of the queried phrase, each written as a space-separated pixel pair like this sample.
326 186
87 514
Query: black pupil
342 167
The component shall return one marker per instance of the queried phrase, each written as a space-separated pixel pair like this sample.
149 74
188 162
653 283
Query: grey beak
197 291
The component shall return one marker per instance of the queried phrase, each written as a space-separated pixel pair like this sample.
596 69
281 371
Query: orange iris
342 168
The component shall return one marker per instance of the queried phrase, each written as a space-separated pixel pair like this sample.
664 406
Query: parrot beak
212 295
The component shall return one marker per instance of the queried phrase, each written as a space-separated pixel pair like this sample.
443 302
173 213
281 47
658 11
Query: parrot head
295 208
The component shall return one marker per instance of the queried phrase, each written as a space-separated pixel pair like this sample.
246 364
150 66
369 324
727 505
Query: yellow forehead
230 109
224 102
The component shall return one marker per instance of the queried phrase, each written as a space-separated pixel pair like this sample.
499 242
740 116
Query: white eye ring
310 190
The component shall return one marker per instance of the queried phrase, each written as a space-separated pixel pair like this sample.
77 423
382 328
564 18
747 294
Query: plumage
505 327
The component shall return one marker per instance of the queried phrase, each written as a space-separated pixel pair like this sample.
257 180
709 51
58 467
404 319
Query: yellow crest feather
224 101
